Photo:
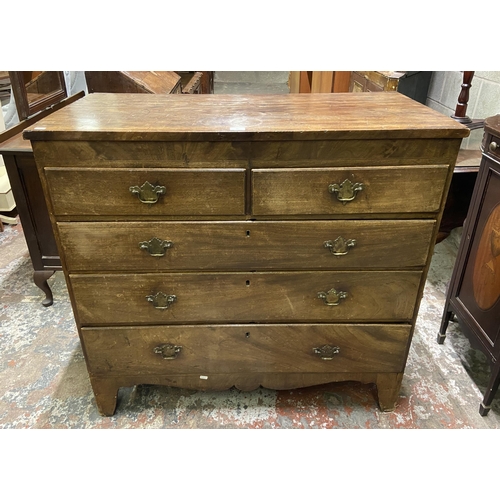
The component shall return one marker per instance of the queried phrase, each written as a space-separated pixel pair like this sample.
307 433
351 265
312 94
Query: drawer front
325 296
111 154
167 192
209 350
153 154
163 246
316 191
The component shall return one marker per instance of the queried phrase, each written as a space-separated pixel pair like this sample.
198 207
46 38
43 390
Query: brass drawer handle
340 246
332 297
493 147
168 351
155 246
346 191
148 193
161 300
327 352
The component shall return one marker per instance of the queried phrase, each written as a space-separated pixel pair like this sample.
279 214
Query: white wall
484 98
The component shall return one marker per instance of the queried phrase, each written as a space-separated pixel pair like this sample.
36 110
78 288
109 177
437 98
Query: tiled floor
44 383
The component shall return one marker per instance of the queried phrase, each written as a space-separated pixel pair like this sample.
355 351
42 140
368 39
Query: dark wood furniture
35 91
139 82
414 84
30 201
146 82
466 169
474 291
268 240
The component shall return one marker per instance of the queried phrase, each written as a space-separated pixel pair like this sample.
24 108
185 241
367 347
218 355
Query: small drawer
150 154
301 296
150 192
257 245
216 349
345 191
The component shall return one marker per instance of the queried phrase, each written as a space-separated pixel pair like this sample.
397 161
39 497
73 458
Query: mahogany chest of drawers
214 241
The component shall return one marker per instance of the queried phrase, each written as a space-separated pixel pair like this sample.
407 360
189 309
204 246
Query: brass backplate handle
346 191
326 352
340 246
147 193
155 247
332 297
168 351
161 300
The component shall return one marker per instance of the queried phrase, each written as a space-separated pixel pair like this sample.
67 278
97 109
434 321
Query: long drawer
150 192
209 349
157 246
348 191
323 296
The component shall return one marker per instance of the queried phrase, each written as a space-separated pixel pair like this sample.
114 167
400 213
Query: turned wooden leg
491 390
40 278
444 325
106 394
388 387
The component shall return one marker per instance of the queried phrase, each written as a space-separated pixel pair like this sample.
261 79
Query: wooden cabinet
30 200
414 84
474 291
277 241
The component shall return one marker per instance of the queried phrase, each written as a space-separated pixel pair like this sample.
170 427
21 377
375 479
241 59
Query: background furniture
319 81
414 84
18 157
221 245
474 291
146 82
35 91
466 168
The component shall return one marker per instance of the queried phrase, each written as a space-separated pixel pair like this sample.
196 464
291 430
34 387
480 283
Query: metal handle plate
326 352
161 300
147 193
340 246
168 351
155 247
346 191
332 297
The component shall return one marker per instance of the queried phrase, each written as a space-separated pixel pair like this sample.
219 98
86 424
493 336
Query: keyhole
248 234
247 335
248 282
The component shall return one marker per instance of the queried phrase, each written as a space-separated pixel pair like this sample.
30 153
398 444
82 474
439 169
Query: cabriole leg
40 278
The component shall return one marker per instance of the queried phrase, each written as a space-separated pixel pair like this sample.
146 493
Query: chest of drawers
214 241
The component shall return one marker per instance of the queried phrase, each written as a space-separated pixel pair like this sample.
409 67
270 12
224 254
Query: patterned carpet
44 382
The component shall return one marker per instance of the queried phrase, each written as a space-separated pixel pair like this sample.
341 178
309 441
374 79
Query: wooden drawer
207 350
107 191
108 246
110 154
385 190
120 154
245 297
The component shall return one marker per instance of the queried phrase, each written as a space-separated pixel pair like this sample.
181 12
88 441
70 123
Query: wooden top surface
492 125
244 117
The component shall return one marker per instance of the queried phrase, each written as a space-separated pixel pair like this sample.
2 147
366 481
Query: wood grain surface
250 245
246 117
209 349
372 296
